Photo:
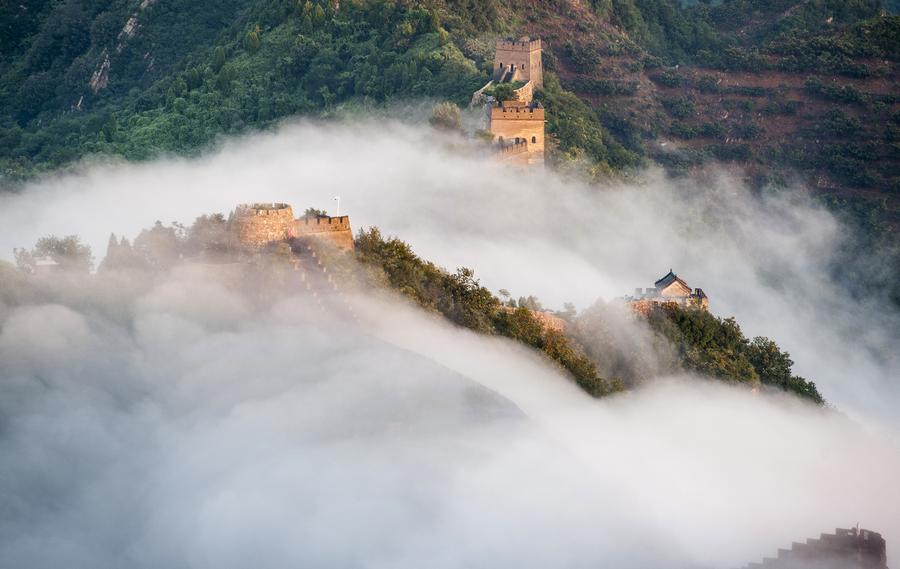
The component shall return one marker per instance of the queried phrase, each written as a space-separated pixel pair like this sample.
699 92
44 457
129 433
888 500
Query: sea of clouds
180 424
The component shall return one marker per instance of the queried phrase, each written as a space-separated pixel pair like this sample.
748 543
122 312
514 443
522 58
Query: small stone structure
844 549
513 152
517 125
670 289
519 60
259 224
334 229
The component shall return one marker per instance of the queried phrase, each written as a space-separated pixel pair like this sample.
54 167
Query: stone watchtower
258 224
519 60
517 125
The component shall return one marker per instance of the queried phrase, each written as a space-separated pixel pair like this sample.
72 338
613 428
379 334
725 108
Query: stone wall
517 121
844 549
255 225
525 93
515 153
258 224
524 56
335 230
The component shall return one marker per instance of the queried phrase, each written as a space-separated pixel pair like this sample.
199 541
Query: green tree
504 92
69 252
253 40
446 116
774 368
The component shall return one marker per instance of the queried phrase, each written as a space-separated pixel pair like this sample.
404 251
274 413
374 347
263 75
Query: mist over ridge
184 423
757 256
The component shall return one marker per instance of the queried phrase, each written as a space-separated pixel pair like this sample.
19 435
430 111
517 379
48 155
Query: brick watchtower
258 224
519 60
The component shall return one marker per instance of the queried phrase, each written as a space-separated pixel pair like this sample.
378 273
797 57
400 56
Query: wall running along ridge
257 225
335 230
521 120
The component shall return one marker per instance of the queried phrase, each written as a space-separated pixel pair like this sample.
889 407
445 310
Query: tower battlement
522 44
256 225
519 120
270 209
322 223
517 113
519 60
518 146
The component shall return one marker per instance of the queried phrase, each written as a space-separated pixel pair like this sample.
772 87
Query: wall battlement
844 549
259 224
517 112
519 60
270 209
522 44
518 119
320 224
518 146
335 230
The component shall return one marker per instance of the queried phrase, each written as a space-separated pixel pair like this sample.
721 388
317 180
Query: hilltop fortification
334 229
670 289
517 124
259 224
519 60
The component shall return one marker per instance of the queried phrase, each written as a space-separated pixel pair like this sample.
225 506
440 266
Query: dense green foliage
579 131
730 34
717 348
81 77
703 343
214 68
461 299
68 253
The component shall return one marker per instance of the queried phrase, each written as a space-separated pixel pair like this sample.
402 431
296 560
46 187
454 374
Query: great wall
517 125
259 224
844 549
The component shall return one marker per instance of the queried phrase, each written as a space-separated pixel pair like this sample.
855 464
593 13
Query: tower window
533 139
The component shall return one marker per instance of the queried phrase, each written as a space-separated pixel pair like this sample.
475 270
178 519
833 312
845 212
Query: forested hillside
780 90
805 85
598 349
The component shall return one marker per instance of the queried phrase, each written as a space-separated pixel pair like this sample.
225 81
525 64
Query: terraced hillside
775 89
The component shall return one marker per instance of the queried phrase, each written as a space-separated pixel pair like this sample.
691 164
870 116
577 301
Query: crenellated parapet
256 225
513 123
516 147
336 230
519 119
844 549
521 44
517 113
519 60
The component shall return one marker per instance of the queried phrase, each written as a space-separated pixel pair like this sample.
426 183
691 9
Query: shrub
678 107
